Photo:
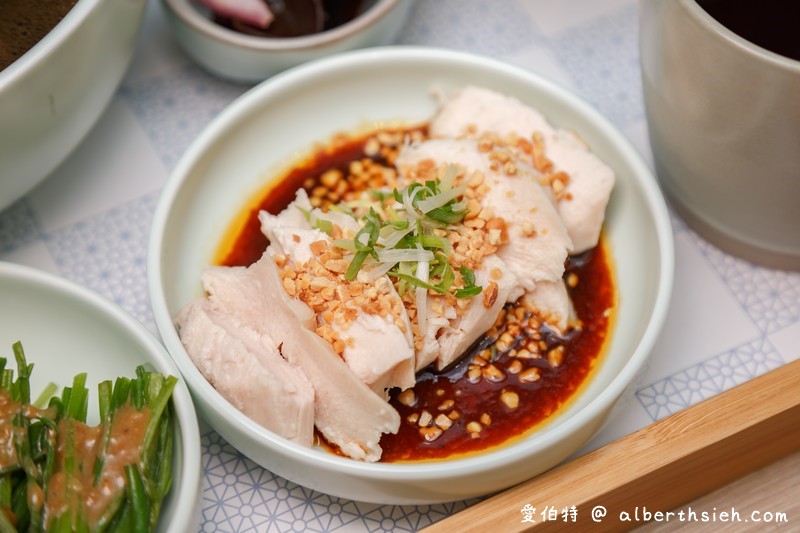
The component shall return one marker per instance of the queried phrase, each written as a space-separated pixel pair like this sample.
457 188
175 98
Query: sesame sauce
511 380
74 483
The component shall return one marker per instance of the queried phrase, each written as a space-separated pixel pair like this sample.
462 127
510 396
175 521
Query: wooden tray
660 467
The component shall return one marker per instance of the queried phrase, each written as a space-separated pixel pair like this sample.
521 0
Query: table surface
729 320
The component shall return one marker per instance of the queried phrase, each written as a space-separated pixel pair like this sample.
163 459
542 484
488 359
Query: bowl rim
189 15
50 42
238 110
186 501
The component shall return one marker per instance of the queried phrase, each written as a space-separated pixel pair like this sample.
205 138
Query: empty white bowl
281 120
247 58
66 329
52 96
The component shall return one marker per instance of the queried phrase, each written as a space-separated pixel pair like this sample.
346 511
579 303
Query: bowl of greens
101 432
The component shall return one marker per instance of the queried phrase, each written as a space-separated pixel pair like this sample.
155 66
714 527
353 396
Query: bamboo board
659 467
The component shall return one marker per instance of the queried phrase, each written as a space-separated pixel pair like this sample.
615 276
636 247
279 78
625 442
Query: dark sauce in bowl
493 394
510 381
295 18
25 22
770 24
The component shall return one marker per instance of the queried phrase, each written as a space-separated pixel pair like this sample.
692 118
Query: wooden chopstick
657 468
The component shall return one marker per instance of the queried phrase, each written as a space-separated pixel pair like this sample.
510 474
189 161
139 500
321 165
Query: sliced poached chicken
347 412
246 367
378 349
475 110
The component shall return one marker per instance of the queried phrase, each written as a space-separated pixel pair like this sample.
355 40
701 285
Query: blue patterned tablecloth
89 222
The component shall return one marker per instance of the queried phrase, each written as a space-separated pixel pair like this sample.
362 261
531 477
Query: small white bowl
52 96
66 329
247 58
279 121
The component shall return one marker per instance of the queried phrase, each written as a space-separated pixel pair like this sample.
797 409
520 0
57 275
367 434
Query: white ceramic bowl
66 329
280 120
52 96
246 58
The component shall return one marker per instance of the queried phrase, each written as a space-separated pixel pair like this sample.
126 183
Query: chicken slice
347 412
588 191
247 369
499 286
583 204
378 352
538 243
294 215
286 227
299 214
293 243
550 302
378 349
437 324
344 221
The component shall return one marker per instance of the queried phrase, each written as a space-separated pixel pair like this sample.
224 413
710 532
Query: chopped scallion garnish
402 228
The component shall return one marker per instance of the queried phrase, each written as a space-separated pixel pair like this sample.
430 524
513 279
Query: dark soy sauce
770 24
294 18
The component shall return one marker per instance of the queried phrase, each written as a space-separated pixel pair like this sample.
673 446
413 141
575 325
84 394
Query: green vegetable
410 224
33 477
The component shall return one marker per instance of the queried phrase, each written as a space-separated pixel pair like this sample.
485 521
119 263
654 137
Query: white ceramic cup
724 122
